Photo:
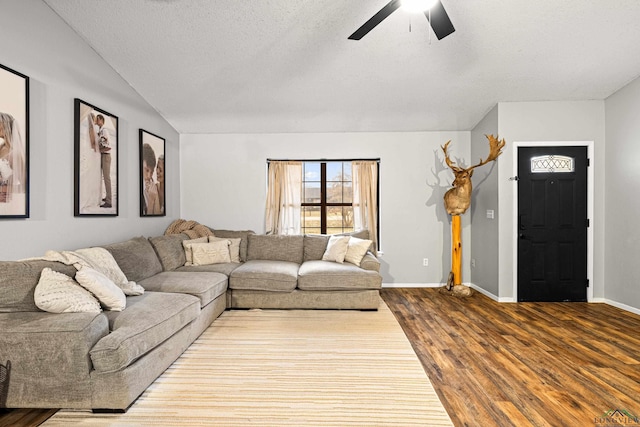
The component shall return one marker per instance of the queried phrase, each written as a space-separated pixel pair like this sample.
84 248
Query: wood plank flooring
525 364
24 417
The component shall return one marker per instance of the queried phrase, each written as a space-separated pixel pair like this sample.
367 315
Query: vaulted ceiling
239 66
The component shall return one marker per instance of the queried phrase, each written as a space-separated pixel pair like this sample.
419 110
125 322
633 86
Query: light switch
490 213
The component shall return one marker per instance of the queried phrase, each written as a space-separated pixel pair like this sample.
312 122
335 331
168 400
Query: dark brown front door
552 224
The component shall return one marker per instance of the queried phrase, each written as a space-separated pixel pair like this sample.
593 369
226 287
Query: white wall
223 179
622 203
484 231
61 67
540 122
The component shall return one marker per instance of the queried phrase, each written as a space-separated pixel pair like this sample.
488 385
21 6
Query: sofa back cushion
243 235
136 257
169 250
18 280
314 246
360 234
275 248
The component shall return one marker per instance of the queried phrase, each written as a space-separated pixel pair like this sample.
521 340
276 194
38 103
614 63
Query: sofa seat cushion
225 268
148 320
327 275
265 275
206 286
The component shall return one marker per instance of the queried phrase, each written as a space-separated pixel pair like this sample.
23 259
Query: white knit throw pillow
59 293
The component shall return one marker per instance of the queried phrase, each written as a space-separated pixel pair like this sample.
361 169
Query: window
327 197
322 197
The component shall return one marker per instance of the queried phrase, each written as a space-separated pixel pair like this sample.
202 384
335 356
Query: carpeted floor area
288 368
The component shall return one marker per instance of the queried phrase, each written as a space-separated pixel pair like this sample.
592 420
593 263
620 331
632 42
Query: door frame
590 205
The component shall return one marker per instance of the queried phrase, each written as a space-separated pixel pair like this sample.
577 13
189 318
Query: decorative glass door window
552 164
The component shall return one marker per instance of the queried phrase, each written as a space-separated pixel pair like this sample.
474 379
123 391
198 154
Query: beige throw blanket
193 229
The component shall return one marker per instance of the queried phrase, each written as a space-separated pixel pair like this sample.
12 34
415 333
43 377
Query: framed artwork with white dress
95 161
14 144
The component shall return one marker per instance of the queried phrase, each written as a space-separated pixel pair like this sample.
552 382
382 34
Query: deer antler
495 149
450 163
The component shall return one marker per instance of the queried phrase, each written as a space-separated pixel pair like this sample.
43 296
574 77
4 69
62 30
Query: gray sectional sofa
105 361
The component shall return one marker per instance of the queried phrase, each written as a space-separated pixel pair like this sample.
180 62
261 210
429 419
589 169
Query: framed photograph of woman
152 192
95 161
14 144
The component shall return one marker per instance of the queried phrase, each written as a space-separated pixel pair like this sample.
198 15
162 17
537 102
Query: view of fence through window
327 198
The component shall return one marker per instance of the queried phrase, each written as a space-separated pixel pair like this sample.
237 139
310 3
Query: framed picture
95 161
152 192
14 144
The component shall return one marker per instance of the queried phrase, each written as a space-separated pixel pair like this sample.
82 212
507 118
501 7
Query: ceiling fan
436 15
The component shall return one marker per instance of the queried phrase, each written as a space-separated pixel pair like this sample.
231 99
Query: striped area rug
287 368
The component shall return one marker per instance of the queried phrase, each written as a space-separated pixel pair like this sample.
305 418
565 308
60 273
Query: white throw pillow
211 253
111 297
356 250
59 293
188 253
101 260
234 247
336 249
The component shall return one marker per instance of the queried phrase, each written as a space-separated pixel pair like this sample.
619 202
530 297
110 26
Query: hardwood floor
525 364
24 417
539 364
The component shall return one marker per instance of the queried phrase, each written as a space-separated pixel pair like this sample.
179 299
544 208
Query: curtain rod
322 160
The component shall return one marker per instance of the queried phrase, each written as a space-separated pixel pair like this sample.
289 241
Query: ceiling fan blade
375 20
440 21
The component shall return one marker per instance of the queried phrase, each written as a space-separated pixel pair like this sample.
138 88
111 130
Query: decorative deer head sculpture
458 199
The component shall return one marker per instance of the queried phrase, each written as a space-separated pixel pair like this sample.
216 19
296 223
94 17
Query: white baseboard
486 293
621 306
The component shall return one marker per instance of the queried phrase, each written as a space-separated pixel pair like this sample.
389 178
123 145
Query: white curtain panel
365 197
284 198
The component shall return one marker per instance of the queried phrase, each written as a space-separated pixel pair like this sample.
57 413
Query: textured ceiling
238 66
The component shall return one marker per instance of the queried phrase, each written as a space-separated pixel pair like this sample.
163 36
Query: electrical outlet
425 262
473 262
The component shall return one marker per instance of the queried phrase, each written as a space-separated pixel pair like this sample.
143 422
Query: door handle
521 226
523 237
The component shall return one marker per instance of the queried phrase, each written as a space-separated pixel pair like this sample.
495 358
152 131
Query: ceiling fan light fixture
418 6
